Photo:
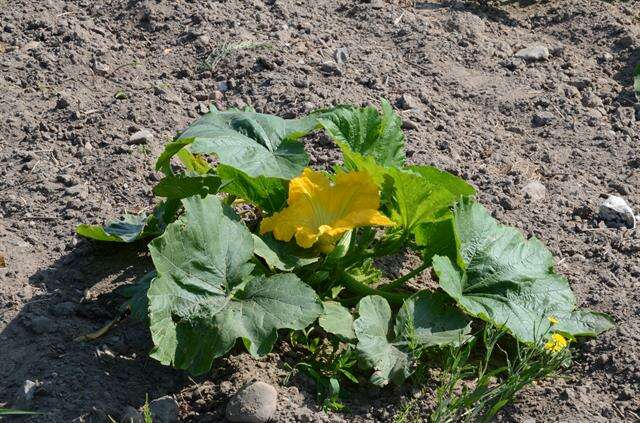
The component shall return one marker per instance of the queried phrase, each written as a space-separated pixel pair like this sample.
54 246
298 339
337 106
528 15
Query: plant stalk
361 289
398 283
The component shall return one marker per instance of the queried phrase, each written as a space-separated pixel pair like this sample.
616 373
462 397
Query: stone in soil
143 136
164 410
533 53
254 403
341 55
25 394
615 212
534 191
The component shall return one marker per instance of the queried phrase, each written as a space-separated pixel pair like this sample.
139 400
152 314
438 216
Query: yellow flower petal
553 320
556 343
320 211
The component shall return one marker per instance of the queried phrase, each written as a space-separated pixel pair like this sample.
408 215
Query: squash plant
248 240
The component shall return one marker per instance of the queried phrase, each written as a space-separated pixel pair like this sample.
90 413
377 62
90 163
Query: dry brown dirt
471 108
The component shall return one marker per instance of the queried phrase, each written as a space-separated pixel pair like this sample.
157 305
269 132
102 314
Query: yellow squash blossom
319 211
556 343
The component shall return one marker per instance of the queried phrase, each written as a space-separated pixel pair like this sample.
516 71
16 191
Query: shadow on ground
81 381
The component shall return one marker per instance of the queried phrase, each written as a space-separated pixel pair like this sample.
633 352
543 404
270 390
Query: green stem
363 290
401 280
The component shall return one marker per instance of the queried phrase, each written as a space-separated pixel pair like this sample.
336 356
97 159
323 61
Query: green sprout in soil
259 244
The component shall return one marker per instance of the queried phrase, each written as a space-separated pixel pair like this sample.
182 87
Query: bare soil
470 107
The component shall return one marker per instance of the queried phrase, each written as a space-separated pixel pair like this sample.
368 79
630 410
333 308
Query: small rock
408 102
41 324
164 410
143 136
222 86
330 68
254 403
542 118
341 55
100 68
533 53
590 99
131 415
616 213
534 191
25 394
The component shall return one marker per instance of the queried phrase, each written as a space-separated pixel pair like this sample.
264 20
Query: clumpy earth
79 78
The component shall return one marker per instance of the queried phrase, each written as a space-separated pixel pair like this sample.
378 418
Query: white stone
617 213
533 53
141 137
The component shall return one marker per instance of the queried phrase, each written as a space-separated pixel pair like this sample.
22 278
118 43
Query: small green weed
213 58
327 365
14 412
474 392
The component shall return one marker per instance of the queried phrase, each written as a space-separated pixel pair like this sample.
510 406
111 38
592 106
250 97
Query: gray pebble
164 410
534 191
254 403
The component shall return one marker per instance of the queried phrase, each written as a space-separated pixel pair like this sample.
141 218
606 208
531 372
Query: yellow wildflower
556 343
320 212
553 320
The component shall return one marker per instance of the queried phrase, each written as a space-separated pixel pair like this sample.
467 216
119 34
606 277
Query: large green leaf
430 319
445 180
183 186
127 229
133 227
137 299
204 297
270 194
337 319
415 199
367 132
255 143
437 238
508 281
425 320
280 255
